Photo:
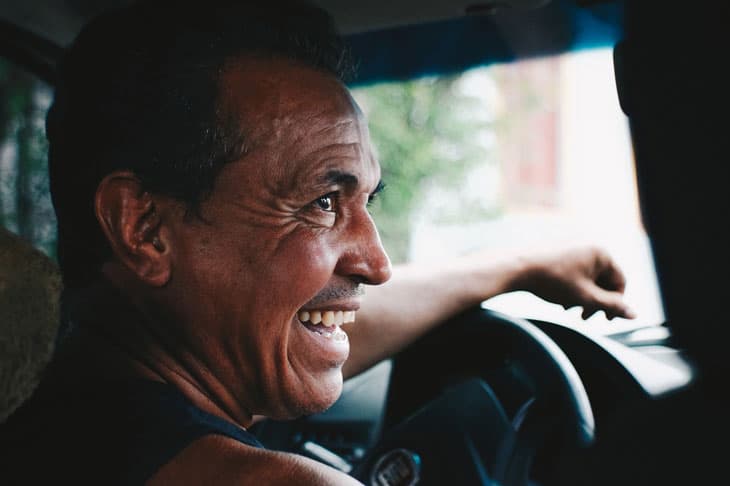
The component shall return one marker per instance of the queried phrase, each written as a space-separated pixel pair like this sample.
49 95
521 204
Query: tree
425 131
25 206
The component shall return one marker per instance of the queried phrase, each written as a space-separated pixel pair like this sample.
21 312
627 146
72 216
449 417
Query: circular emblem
399 467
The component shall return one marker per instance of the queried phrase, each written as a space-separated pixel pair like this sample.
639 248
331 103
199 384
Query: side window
512 155
25 203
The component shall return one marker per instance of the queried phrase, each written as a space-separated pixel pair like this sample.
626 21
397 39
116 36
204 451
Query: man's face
285 236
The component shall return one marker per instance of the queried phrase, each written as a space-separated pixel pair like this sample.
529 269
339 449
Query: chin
324 404
315 398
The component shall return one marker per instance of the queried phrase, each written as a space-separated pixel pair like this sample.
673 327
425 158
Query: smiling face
283 241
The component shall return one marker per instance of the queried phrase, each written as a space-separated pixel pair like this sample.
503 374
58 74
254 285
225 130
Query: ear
132 221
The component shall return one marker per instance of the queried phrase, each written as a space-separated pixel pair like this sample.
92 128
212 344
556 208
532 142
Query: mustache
337 292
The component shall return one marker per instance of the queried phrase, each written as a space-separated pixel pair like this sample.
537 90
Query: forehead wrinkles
312 128
298 145
290 114
322 148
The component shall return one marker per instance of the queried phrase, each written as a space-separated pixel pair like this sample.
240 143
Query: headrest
30 289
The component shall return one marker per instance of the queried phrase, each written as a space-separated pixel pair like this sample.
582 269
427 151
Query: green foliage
25 206
425 131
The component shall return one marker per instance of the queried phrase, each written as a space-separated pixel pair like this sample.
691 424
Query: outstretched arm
419 297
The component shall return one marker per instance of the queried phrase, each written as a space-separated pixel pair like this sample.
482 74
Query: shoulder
216 459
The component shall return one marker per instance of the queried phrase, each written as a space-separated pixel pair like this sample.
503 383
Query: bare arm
419 297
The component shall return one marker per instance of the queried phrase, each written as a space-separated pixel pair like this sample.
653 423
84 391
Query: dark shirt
109 433
87 424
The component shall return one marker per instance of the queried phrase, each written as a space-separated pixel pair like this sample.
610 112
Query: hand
585 276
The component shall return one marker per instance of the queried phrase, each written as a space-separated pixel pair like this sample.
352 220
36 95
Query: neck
125 342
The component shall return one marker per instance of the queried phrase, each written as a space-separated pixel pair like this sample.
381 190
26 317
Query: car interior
501 395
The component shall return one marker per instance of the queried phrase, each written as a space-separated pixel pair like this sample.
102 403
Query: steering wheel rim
559 397
541 352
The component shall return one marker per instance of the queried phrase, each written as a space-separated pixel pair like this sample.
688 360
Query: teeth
327 318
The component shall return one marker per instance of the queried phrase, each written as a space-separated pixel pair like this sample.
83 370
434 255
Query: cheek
301 266
270 276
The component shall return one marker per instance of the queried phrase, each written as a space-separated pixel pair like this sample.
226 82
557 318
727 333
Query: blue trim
458 44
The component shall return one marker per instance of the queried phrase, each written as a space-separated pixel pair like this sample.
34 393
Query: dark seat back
30 286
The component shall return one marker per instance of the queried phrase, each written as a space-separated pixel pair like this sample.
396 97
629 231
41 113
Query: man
211 175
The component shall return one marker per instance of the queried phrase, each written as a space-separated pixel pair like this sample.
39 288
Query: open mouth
327 322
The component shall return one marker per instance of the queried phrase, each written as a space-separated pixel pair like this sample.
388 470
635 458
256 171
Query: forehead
268 96
294 116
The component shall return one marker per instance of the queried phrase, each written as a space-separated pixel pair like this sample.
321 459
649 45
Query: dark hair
138 91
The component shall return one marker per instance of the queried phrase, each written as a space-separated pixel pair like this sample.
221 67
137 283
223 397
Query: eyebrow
347 179
340 178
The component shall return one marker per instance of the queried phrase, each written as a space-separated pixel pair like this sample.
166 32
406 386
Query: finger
612 303
588 313
627 313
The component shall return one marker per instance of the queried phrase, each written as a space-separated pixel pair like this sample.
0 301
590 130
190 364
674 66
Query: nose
364 259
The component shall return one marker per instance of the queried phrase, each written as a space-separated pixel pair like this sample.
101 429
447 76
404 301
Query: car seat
30 287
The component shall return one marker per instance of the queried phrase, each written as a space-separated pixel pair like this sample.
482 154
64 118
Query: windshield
515 155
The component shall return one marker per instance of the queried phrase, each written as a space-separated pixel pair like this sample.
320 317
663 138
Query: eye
326 202
374 195
372 198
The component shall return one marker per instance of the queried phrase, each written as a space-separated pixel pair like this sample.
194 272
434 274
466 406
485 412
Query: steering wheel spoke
477 399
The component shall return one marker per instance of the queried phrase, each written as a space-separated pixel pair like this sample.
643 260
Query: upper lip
349 305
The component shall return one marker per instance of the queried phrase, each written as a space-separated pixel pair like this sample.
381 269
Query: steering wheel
472 402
